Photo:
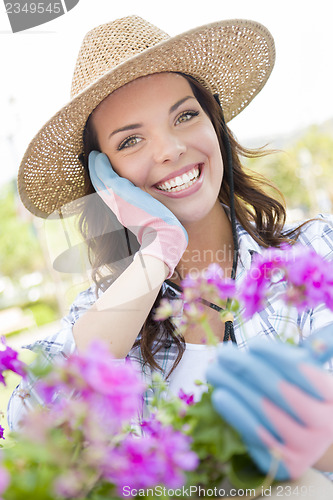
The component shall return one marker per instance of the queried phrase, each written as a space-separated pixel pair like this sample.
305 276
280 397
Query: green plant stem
210 335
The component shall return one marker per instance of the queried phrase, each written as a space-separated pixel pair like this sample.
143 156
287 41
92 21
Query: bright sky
37 65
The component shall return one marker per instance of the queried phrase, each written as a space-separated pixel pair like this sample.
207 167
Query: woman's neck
210 241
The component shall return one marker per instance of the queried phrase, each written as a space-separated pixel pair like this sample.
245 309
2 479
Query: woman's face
156 134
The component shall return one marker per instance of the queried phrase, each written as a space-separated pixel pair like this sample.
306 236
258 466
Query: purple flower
253 292
187 398
254 289
310 279
2 432
190 282
159 457
152 426
133 464
252 296
9 361
226 289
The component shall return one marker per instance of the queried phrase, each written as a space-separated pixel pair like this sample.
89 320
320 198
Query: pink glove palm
279 399
158 231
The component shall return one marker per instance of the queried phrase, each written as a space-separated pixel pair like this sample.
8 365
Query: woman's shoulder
317 233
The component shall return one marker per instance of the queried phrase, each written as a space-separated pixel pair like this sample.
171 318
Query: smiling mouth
180 182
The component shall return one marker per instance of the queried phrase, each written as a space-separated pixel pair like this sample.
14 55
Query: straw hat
232 58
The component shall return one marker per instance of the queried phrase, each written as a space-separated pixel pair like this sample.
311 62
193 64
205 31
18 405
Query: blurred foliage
27 277
302 170
43 312
20 251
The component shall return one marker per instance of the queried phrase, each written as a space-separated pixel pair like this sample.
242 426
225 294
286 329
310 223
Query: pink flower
192 288
254 289
193 311
4 479
111 387
225 287
210 285
70 484
116 381
214 273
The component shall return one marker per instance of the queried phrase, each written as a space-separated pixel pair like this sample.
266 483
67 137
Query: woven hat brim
232 58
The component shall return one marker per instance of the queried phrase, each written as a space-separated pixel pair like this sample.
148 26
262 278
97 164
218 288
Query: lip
185 192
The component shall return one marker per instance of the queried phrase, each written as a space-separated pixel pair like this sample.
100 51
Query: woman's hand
279 399
158 231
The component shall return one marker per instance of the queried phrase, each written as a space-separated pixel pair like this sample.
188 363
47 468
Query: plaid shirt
270 322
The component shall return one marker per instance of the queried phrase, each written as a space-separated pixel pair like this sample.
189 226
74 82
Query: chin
192 216
194 208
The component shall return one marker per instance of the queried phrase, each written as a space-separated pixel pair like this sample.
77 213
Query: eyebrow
127 127
138 125
179 103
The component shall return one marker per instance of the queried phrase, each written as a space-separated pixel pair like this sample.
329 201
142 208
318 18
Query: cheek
206 138
130 169
211 148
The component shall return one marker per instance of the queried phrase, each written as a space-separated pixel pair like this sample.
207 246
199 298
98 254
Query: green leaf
211 434
103 491
243 473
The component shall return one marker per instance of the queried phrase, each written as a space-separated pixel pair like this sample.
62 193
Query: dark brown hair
261 215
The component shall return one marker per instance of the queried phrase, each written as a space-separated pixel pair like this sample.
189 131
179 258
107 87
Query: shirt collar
248 247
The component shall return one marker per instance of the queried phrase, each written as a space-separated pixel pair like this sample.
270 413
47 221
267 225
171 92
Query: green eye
186 116
129 142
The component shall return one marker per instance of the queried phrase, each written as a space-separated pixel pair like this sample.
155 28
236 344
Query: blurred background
293 113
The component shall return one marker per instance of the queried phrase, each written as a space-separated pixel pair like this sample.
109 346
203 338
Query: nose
168 147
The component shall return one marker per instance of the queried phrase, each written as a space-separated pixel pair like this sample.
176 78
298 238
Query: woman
147 122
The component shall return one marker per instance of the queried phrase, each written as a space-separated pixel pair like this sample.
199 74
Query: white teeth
180 182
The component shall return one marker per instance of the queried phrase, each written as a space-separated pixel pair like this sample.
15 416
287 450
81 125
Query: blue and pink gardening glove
279 398
158 231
